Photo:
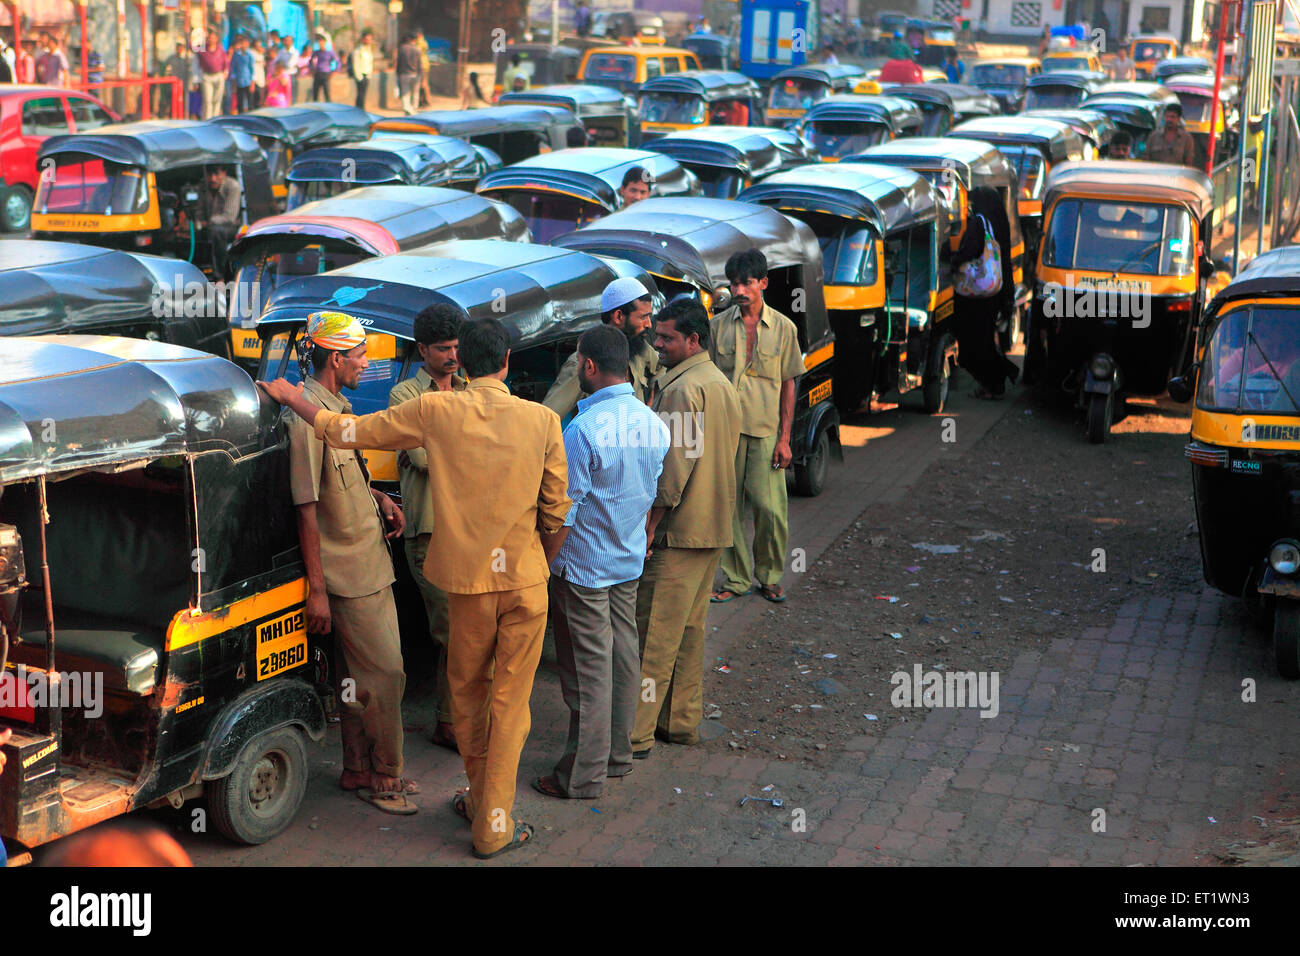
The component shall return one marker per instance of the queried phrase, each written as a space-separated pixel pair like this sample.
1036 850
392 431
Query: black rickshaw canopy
1273 273
1140 114
422 160
1181 65
973 162
159 145
118 401
887 198
1087 80
1125 179
753 150
1093 125
308 124
838 76
711 85
964 102
1057 141
1137 90
551 122
896 114
582 99
593 174
553 294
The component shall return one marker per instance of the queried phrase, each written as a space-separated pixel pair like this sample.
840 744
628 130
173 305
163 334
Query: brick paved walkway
1139 716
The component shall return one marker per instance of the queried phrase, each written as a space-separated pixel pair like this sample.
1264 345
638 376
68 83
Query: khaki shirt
698 483
503 482
777 358
562 398
1180 151
221 208
417 504
353 553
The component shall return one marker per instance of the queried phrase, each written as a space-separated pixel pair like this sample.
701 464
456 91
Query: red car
28 114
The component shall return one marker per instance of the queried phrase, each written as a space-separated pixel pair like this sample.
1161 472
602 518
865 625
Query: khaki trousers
213 86
600 677
501 629
761 487
435 609
370 653
671 608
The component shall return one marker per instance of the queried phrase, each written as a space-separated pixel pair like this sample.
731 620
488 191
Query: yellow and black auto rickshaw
840 126
696 98
1245 444
542 64
161 612
1060 90
1196 94
1147 51
796 90
888 283
609 117
728 159
1122 271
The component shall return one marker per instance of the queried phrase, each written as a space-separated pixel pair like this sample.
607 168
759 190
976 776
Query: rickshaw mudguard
267 706
1278 585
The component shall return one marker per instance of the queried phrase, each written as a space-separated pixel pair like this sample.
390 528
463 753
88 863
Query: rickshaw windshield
259 274
848 249
94 186
1132 238
796 94
1150 51
1252 362
1030 170
672 108
1066 63
550 216
1054 98
998 74
845 138
312 190
1196 109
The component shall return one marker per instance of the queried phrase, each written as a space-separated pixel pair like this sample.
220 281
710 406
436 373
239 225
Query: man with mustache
625 305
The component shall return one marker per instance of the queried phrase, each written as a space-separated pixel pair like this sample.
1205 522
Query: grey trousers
600 675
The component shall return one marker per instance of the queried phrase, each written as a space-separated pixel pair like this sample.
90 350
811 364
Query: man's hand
318 612
280 390
782 456
392 514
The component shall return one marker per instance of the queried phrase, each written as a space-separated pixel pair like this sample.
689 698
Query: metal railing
171 103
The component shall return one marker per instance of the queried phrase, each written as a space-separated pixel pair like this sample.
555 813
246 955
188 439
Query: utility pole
462 54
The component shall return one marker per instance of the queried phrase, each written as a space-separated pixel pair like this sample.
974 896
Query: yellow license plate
820 393
281 644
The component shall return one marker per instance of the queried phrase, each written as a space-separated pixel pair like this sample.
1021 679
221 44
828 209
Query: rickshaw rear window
1066 63
95 186
1054 98
719 182
672 108
848 249
610 66
1133 238
550 216
1196 109
1252 363
796 94
998 74
1150 51
840 138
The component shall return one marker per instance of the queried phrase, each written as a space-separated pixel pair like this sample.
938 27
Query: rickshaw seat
126 654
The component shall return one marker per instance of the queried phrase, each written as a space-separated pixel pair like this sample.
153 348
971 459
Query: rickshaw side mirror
1208 268
1180 389
721 300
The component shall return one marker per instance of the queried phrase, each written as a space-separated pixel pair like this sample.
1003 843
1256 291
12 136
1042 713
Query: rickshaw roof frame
755 150
1055 140
581 99
403 158
158 145
306 124
969 159
832 74
1125 180
1075 79
711 85
1135 89
1101 127
887 198
894 112
143 401
593 173
464 124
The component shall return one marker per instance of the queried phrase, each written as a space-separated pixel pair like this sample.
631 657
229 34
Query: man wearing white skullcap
626 305
342 524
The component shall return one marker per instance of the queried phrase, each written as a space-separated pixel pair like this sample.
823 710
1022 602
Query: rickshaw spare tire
1286 637
1100 410
260 796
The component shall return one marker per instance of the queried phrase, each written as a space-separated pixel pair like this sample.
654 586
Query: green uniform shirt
777 358
562 398
417 500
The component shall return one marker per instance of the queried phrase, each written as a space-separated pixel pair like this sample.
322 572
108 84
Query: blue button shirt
241 68
615 446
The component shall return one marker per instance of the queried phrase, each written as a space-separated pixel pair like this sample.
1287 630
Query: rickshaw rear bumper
1279 585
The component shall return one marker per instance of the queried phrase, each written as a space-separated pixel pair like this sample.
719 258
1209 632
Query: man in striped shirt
615 447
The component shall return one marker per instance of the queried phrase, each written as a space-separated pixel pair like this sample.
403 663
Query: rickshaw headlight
1285 557
1102 367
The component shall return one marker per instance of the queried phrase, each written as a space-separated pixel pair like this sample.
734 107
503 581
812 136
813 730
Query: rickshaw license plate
281 644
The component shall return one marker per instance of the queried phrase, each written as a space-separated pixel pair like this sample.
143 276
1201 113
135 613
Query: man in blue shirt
953 68
615 447
241 74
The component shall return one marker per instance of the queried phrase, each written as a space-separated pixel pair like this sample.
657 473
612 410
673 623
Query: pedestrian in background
52 64
689 525
324 63
362 62
178 65
212 63
288 58
241 75
25 62
953 67
1171 143
279 87
422 43
615 450
259 73
1122 68
437 334
975 318
757 348
409 73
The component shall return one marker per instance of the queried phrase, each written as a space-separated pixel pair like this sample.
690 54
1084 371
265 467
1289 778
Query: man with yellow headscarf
342 524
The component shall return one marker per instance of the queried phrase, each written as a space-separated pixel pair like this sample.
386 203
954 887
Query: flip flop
523 834
459 807
774 594
730 596
408 787
389 801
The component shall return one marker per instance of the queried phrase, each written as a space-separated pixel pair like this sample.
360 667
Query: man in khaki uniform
757 348
349 572
500 503
625 304
436 330
689 525
1172 143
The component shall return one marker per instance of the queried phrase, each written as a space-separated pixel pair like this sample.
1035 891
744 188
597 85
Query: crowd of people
612 528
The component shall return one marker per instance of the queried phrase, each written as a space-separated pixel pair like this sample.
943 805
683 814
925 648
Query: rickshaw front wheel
264 790
1100 413
1286 637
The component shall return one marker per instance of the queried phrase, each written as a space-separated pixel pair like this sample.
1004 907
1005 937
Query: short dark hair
745 265
607 347
688 316
574 137
439 322
483 346
638 174
1121 138
1173 106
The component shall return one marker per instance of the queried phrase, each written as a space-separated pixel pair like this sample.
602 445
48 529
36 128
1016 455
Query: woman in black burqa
976 319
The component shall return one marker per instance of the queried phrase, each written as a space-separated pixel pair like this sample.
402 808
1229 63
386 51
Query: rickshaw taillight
1199 454
1180 305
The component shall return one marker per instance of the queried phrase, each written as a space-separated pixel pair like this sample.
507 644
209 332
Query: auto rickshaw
1096 128
696 98
930 40
1181 66
1196 94
640 26
1060 90
626 68
888 282
796 90
1005 79
1245 445
943 105
1147 51
51 287
567 189
163 598
1033 147
511 132
1137 90
1082 60
417 160
1137 117
1121 282
550 296
609 117
284 132
358 224
954 167
727 159
842 125
714 51
685 244
542 63
137 186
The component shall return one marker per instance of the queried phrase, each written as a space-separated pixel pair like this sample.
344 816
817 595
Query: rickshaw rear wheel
1100 410
810 478
1286 637
1010 332
934 393
264 790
